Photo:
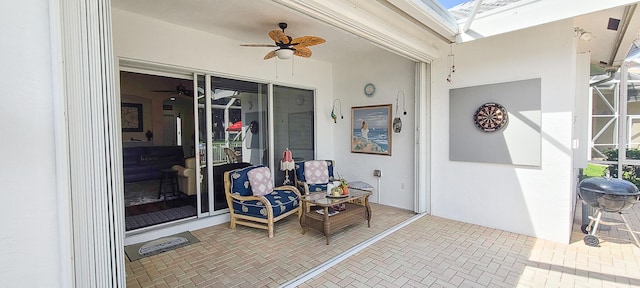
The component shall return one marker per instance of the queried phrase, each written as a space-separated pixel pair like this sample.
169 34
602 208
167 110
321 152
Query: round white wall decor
491 117
369 90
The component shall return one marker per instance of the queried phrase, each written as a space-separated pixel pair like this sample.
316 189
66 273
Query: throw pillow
316 172
260 180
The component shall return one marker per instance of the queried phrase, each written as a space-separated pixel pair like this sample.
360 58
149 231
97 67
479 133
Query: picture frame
371 129
131 117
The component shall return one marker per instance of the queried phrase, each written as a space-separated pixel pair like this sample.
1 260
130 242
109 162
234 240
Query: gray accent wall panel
519 143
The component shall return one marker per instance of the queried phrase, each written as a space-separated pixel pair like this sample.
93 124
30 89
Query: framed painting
131 117
371 129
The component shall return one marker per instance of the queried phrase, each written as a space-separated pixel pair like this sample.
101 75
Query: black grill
607 195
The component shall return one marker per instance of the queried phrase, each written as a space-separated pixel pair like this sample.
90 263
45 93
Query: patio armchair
314 175
254 202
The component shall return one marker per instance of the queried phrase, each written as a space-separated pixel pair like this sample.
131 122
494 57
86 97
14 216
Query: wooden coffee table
356 205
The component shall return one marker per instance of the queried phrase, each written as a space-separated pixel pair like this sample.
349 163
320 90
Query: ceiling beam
467 25
372 24
430 14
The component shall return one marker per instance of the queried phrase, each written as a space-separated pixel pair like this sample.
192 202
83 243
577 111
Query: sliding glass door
232 133
293 127
157 124
214 124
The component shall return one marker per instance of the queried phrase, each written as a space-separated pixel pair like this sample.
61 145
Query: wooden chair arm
304 185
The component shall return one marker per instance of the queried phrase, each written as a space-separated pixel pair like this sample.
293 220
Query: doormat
141 250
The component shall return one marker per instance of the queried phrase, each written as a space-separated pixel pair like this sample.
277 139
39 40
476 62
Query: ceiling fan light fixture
284 53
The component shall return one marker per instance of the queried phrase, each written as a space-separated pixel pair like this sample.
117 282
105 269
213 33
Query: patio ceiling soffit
372 21
525 14
430 14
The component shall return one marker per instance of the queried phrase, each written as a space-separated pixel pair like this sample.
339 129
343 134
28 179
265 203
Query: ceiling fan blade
270 55
279 37
307 41
302 51
258 45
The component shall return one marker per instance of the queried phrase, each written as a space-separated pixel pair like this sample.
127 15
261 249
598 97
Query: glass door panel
239 113
201 137
161 141
293 127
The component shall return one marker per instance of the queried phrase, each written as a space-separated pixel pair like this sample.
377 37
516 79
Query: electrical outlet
377 173
402 185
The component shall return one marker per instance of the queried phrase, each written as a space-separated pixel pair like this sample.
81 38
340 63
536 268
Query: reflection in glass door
239 111
158 155
293 124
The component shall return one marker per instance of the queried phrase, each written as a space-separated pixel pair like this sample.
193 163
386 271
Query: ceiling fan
179 91
288 46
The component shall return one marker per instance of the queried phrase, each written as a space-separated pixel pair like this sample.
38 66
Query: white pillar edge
422 177
65 234
94 165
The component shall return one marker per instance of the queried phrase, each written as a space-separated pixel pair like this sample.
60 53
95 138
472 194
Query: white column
93 140
422 199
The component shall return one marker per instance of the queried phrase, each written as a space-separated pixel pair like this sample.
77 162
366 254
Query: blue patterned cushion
300 171
240 181
282 201
317 187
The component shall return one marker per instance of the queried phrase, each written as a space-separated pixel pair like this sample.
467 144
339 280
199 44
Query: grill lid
611 186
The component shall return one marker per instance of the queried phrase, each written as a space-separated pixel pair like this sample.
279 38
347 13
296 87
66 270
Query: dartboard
491 117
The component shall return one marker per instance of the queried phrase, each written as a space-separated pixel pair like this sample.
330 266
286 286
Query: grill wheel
591 240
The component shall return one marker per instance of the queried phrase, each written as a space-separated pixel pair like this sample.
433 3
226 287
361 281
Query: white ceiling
605 42
248 22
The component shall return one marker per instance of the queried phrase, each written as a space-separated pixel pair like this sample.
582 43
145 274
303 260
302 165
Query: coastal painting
370 129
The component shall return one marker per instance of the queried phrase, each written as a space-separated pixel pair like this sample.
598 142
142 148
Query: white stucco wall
30 251
531 201
390 74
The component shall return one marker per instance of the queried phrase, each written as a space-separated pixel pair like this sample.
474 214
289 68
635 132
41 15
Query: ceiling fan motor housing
288 46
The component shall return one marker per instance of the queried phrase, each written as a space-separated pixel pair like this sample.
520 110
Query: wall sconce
397 122
333 114
583 34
